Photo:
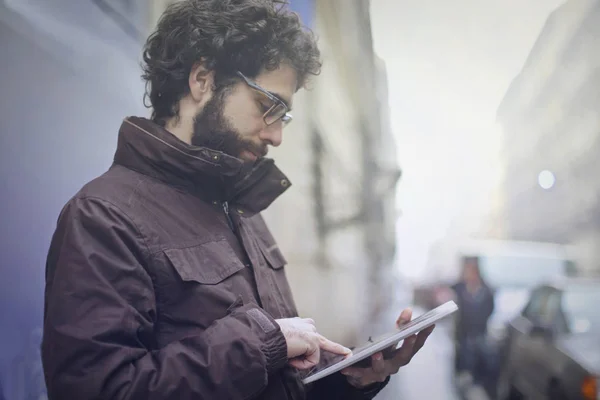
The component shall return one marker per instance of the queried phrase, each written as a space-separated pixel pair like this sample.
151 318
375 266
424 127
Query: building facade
550 118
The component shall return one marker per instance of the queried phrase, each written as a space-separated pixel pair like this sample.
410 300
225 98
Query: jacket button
216 157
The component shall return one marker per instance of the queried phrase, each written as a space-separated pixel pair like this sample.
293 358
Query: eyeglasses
277 110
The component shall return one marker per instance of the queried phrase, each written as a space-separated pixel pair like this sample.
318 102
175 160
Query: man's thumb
405 317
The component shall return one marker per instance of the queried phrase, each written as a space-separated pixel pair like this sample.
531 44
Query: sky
449 64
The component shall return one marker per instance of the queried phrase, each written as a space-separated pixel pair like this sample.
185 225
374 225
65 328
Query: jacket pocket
209 263
281 292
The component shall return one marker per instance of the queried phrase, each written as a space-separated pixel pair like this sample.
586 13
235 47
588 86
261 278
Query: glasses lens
275 113
287 118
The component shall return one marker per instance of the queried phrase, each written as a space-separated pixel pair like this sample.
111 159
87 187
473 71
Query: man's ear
201 82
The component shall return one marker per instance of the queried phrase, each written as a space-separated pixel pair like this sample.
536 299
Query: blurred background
439 134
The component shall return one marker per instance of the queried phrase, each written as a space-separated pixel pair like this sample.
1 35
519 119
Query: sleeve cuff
275 349
272 342
274 345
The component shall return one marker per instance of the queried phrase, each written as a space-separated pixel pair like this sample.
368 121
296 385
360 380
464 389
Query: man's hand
381 368
305 344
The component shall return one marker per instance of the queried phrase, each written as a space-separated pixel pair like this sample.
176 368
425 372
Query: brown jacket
163 281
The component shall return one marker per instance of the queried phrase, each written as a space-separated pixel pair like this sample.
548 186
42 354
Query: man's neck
182 126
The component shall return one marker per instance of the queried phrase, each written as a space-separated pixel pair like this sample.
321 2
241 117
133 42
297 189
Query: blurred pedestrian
475 300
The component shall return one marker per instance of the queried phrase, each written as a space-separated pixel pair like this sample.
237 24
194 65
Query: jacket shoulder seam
126 215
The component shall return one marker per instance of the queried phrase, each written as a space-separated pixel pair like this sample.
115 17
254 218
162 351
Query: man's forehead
281 82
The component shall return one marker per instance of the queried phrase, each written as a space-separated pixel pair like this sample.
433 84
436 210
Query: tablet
382 343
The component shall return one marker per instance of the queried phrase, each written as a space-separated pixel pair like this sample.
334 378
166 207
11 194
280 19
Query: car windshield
525 272
581 306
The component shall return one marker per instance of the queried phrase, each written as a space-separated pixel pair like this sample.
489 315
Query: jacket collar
150 149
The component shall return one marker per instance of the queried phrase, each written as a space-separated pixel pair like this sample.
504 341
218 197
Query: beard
213 131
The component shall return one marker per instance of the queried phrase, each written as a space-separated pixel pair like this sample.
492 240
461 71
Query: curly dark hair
227 36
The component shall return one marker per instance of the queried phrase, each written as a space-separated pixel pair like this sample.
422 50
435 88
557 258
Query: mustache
260 150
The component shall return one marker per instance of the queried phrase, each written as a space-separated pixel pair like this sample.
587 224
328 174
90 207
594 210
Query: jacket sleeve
337 387
100 316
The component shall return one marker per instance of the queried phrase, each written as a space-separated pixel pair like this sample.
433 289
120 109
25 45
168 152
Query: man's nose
273 133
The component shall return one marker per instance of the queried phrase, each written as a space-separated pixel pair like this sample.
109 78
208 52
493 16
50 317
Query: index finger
332 347
422 337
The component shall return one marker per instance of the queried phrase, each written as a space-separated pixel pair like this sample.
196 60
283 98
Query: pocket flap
208 263
274 257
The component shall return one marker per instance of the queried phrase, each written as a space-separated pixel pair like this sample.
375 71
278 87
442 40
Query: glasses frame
286 117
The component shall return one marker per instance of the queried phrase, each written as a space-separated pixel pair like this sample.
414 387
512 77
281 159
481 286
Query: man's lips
248 155
253 155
